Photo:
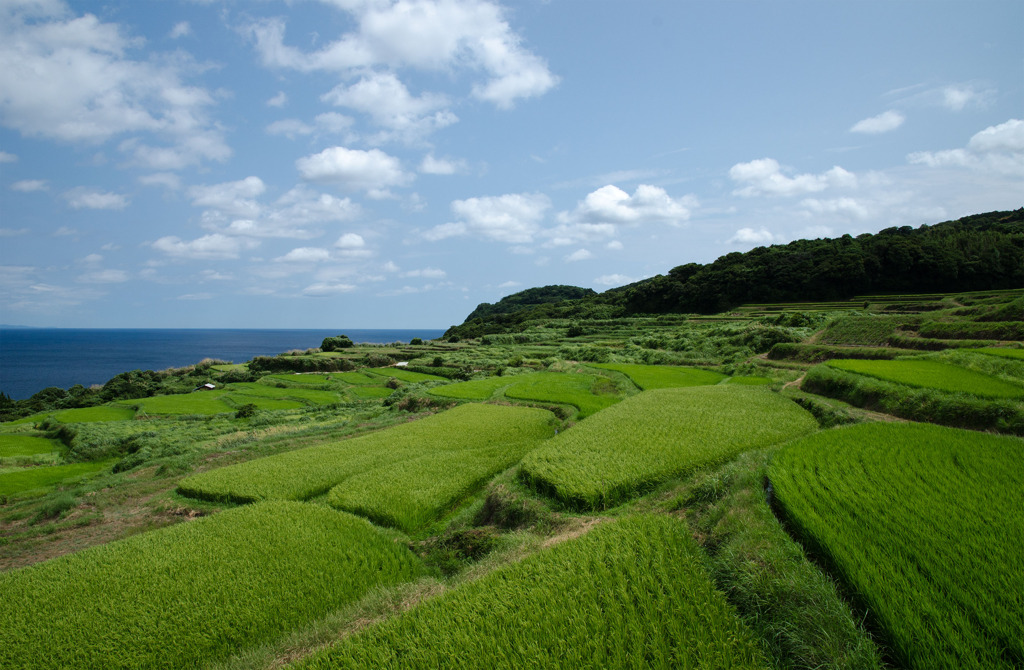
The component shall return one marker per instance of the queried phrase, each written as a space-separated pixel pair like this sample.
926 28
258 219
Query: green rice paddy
587 393
649 377
26 445
629 448
631 593
932 374
41 477
923 524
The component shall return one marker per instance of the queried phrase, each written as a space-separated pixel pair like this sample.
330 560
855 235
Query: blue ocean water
32 359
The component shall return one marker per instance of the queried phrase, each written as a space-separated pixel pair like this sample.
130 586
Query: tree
335 343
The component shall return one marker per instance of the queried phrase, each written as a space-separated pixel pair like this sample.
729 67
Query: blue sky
393 163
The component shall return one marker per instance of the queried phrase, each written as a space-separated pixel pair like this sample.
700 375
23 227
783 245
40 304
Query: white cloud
354 169
610 204
510 284
180 29
235 198
883 123
207 247
614 245
168 180
578 255
82 198
996 149
614 280
959 96
104 277
13 232
279 100
326 289
328 123
513 218
848 207
764 177
433 35
751 236
30 185
351 241
305 255
388 102
7 158
71 78
440 166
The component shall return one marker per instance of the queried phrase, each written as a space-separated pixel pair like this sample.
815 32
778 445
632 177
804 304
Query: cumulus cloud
279 100
513 218
82 198
7 158
354 169
578 255
207 247
615 280
847 207
751 236
883 123
30 185
350 241
388 102
426 273
433 35
997 149
235 198
305 255
764 177
328 123
168 180
440 166
959 96
610 204
72 78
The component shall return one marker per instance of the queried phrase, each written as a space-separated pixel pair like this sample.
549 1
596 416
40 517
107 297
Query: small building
205 387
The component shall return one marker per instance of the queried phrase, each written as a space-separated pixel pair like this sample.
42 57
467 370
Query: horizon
229 165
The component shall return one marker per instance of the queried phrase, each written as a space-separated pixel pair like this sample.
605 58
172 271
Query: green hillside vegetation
738 481
922 523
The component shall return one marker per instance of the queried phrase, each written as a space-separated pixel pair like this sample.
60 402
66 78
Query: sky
394 163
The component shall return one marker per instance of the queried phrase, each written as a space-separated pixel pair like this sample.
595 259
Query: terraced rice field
1017 354
306 473
404 375
629 448
924 524
233 396
584 392
42 477
932 374
649 377
629 594
12 446
194 592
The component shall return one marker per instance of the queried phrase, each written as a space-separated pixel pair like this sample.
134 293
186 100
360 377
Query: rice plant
932 374
193 592
923 524
656 435
649 377
629 594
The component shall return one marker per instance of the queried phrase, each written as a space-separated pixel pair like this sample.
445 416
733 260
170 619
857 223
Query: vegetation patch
628 594
584 392
194 592
932 374
406 375
922 523
649 377
629 448
816 353
1003 352
305 473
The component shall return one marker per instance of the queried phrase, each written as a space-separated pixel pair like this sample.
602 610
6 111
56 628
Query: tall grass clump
629 594
629 448
923 525
194 592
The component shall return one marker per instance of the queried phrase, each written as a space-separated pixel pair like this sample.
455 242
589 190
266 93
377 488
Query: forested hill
980 252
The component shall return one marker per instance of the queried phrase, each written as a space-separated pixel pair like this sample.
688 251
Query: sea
32 359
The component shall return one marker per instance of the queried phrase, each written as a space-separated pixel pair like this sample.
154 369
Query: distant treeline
975 253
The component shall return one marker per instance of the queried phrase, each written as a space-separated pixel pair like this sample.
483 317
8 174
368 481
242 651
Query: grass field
83 415
194 592
477 389
587 393
405 375
631 593
305 473
42 477
627 449
922 523
932 374
649 377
